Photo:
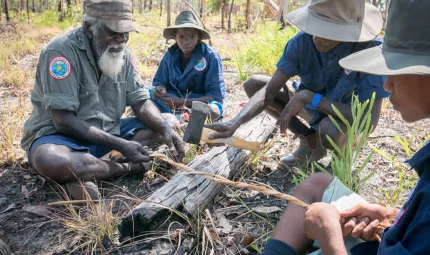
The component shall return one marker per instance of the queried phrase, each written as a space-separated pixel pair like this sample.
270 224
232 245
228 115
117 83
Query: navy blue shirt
202 76
320 72
409 233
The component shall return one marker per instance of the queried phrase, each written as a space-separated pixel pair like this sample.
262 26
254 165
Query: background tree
6 11
229 16
168 4
247 14
223 12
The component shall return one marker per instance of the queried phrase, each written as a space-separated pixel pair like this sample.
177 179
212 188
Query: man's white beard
110 63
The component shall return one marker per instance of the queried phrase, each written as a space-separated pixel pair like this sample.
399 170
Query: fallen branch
223 180
259 188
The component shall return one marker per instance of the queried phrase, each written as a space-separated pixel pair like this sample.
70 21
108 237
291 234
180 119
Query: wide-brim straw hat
406 46
338 20
186 19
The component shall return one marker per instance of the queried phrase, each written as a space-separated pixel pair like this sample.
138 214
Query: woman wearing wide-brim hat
190 70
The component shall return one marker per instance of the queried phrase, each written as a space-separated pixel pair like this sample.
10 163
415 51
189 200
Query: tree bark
168 11
282 13
150 5
145 4
140 6
247 14
273 5
229 16
161 8
33 9
191 193
21 7
6 11
223 12
28 12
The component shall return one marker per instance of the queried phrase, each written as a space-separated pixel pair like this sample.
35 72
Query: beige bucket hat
406 46
186 19
338 20
115 14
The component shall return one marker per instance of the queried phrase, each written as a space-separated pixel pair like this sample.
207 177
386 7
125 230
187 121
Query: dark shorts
129 127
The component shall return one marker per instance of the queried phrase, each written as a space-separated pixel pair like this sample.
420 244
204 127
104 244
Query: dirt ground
243 219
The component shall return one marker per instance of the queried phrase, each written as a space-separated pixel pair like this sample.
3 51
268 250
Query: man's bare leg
61 164
290 228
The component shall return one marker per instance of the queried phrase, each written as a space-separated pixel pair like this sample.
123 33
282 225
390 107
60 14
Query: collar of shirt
198 53
419 161
84 44
343 49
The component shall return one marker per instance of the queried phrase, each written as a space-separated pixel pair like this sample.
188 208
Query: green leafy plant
344 159
406 179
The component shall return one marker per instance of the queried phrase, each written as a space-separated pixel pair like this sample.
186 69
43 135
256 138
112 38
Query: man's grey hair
96 24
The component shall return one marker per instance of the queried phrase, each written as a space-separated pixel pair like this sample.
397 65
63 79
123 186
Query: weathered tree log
191 194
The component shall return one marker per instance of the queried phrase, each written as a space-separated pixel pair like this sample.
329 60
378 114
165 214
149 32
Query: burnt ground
242 219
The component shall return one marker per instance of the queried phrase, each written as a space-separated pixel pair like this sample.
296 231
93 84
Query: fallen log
190 194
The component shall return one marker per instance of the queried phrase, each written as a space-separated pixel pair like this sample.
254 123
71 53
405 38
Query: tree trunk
161 8
33 9
150 4
229 16
192 193
6 11
223 12
140 6
247 14
168 11
273 5
374 2
145 3
21 7
282 13
28 12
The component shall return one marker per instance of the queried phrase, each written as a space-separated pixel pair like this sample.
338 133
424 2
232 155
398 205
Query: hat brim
170 32
121 26
380 61
367 30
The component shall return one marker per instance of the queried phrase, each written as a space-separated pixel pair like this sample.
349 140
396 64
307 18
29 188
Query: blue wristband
316 101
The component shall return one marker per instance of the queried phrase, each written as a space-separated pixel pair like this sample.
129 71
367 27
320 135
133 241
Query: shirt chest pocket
116 97
89 101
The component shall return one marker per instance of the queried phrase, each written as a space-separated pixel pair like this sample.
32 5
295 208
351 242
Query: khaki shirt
67 79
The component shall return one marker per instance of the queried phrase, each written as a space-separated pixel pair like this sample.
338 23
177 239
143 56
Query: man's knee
254 83
327 128
314 186
51 161
171 120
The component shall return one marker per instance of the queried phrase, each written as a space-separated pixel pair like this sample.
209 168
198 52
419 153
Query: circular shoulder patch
59 68
201 64
134 65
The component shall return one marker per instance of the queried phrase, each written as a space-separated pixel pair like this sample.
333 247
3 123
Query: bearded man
84 81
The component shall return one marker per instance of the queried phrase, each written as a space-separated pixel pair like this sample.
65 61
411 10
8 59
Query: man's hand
293 107
224 129
172 101
362 220
175 144
134 152
159 92
322 224
321 220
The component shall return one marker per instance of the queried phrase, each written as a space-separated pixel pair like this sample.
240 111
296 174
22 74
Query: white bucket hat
406 47
338 20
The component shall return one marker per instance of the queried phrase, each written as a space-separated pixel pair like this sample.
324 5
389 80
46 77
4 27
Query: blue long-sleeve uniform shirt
320 72
408 235
202 76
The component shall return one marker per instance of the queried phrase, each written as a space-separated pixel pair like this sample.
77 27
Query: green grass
262 49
